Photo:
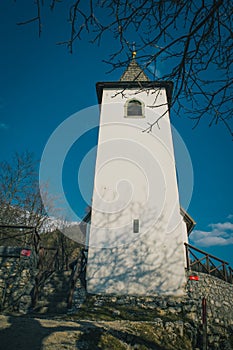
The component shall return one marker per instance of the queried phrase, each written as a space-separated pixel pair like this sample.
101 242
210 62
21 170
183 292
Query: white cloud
219 234
4 126
222 226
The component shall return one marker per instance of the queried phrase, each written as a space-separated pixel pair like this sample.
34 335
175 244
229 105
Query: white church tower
137 230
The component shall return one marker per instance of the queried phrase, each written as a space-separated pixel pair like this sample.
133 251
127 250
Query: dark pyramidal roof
134 73
134 77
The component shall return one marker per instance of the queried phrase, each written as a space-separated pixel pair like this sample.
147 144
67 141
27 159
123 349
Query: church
137 229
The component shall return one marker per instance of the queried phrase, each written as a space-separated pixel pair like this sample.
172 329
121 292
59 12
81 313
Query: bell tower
137 233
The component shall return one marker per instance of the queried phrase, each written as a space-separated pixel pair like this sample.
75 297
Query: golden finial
134 53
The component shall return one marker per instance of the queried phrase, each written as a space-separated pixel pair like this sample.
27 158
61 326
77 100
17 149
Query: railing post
224 271
208 263
230 275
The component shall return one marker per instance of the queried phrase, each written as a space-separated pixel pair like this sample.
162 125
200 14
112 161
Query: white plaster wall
135 178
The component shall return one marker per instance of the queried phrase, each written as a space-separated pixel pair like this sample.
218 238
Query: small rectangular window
136 226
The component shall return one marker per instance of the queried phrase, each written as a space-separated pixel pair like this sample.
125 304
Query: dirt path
24 333
27 333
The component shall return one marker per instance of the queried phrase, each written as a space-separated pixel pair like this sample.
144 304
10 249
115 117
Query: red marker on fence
25 252
193 278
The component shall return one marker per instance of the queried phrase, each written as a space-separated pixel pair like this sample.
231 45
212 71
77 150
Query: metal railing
200 261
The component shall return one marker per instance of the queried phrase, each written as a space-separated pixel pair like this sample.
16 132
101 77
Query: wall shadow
28 333
151 262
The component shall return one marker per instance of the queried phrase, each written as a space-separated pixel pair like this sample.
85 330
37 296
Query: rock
162 304
175 310
158 322
169 326
116 313
179 327
99 302
192 316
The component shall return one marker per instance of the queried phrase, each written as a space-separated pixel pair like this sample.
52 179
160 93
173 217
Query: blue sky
41 85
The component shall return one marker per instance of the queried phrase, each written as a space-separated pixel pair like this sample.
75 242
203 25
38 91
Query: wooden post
230 274
204 323
208 263
224 271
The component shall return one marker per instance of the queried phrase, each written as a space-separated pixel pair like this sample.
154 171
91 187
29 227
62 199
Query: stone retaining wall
219 297
177 315
17 276
174 316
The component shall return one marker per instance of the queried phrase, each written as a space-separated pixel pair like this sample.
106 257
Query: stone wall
174 316
218 294
219 297
17 276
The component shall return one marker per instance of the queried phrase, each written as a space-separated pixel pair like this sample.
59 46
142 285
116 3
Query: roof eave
168 85
188 219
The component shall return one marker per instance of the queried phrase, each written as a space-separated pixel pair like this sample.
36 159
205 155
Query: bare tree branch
189 42
20 198
37 18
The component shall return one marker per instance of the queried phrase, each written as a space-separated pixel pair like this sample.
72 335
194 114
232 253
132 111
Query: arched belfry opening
134 108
